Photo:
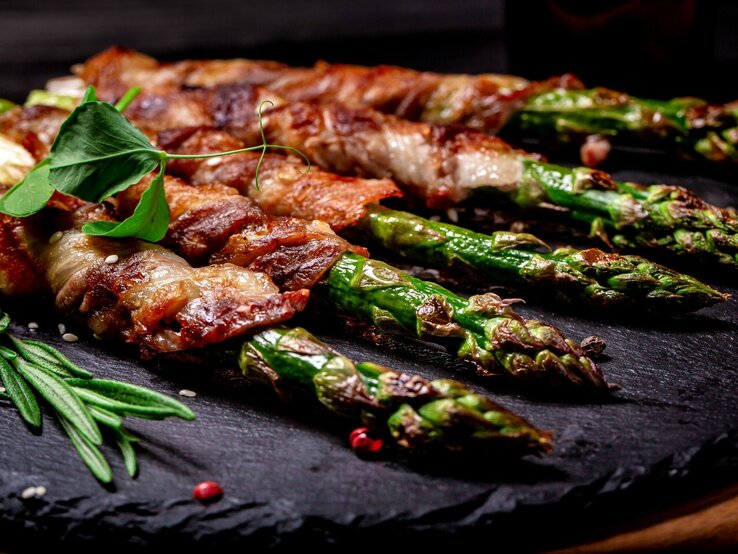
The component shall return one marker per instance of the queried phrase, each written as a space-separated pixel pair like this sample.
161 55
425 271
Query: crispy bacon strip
441 164
214 223
480 101
287 188
138 291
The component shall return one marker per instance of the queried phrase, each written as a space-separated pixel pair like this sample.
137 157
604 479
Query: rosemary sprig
85 407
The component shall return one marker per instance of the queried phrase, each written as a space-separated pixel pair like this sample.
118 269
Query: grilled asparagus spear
690 126
591 276
412 412
485 328
6 105
659 218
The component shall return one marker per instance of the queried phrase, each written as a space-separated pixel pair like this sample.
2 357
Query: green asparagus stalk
660 218
590 276
54 99
691 126
410 411
6 105
487 331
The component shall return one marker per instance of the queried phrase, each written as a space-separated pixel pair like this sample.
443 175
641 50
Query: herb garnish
83 405
98 153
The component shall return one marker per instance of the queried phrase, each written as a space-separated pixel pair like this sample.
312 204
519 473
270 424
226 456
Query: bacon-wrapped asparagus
446 165
148 296
485 329
558 109
132 290
590 276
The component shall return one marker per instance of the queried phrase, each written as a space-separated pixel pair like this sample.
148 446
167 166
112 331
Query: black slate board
291 479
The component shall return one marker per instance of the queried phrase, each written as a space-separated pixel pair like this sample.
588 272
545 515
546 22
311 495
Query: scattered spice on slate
362 442
207 491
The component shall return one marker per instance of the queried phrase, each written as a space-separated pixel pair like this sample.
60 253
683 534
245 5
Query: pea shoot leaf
30 194
99 153
149 220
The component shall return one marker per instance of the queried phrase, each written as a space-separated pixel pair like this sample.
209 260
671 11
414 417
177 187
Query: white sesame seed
32 325
452 215
62 328
70 337
28 493
55 237
2 389
40 491
435 218
188 393
98 337
113 258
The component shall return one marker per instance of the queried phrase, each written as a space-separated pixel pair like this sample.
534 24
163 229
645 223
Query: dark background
659 47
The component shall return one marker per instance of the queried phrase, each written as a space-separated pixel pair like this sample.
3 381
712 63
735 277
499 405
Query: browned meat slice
441 164
215 224
34 128
19 271
482 101
114 70
138 291
207 107
286 186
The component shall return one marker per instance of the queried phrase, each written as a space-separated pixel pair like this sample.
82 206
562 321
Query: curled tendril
265 145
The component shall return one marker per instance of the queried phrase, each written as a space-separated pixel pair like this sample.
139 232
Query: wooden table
709 522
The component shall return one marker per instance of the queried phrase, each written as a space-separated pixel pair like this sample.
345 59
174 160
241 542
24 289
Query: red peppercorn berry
207 491
362 442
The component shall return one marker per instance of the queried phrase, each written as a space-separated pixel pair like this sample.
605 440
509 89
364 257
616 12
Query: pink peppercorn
207 491
363 443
